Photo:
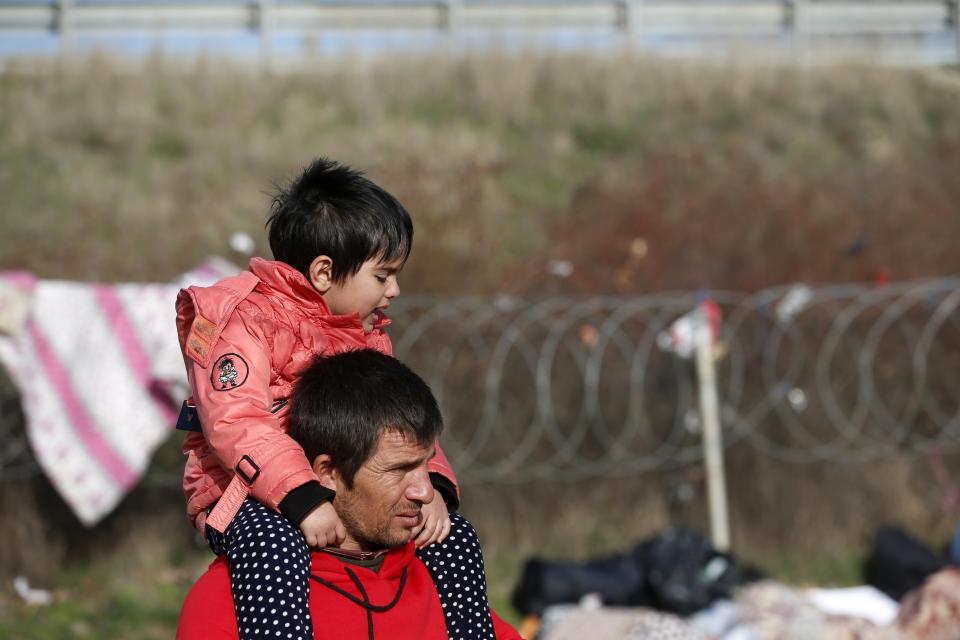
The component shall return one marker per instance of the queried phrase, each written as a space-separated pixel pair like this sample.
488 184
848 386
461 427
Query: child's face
368 290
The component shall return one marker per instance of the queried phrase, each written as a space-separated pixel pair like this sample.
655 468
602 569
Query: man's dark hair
342 404
333 210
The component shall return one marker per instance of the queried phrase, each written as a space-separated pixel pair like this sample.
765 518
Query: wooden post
712 437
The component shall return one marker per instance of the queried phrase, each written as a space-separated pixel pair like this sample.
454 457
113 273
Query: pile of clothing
676 587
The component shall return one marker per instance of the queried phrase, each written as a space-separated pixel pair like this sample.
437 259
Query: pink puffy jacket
245 341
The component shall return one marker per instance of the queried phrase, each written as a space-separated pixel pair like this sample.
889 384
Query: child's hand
436 522
322 527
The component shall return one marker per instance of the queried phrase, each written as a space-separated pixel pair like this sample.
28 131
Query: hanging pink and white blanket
100 377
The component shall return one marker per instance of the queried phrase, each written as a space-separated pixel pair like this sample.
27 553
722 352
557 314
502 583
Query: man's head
368 424
348 236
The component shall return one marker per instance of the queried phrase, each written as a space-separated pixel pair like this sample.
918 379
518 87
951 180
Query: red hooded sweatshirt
347 602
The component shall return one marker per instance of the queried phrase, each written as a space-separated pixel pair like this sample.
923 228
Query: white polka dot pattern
456 565
269 574
270 565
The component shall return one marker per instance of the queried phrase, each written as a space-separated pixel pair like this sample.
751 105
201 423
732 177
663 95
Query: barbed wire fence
576 388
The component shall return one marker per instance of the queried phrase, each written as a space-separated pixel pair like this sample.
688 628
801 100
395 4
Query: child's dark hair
333 210
342 404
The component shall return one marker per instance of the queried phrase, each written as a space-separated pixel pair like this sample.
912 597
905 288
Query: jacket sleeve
234 403
199 485
447 483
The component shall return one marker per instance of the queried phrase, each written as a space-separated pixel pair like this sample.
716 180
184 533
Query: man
369 425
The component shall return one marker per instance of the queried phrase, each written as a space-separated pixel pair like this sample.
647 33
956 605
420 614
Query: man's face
383 508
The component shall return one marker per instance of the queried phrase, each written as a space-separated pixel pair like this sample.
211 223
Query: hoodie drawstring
365 603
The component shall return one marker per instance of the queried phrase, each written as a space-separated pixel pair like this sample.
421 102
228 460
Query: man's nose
420 488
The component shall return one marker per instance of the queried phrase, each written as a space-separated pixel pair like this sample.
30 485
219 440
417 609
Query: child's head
343 404
348 236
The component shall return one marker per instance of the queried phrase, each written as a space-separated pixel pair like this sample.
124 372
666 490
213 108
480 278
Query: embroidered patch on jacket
229 372
196 348
204 327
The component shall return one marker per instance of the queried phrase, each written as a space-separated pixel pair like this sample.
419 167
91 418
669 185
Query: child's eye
382 279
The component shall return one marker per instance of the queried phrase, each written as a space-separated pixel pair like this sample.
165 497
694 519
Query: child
339 242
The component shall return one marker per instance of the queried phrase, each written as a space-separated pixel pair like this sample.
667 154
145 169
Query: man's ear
325 471
320 274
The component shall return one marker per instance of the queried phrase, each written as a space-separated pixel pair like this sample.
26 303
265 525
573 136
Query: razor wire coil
583 387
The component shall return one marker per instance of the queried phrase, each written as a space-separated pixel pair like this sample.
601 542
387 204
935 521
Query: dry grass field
736 177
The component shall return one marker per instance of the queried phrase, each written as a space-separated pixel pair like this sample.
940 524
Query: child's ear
320 274
325 471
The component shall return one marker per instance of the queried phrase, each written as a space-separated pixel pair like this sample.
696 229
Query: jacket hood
333 569
369 591
289 283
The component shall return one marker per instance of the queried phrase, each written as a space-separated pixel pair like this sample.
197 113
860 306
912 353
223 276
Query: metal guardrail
799 28
585 388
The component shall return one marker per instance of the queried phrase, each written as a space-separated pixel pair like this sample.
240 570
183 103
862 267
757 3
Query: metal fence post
266 26
956 27
712 438
453 24
64 24
800 24
632 20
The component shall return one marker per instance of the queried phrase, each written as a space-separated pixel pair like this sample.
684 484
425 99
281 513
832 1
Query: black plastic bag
676 571
686 574
618 579
898 563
